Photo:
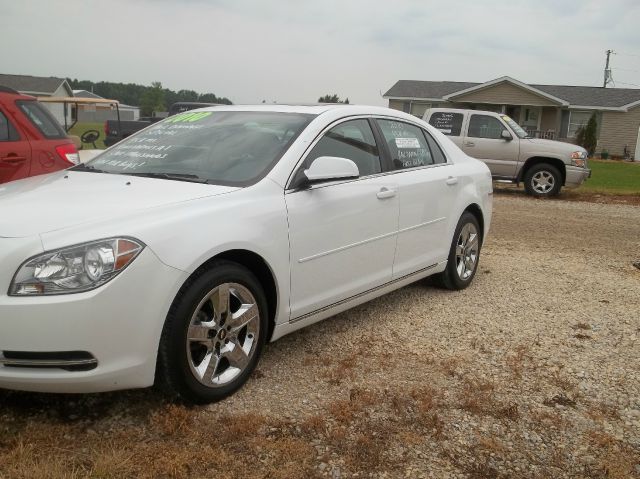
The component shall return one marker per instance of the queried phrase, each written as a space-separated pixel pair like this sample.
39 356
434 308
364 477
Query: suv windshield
517 129
234 148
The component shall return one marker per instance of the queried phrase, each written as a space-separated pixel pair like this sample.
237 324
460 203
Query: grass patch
82 126
612 177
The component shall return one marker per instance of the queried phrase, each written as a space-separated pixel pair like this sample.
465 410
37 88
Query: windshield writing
222 147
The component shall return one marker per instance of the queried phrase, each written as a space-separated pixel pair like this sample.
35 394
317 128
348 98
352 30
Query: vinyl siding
504 94
396 104
619 129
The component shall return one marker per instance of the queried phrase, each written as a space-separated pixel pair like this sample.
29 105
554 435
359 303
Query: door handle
452 180
469 143
13 159
386 193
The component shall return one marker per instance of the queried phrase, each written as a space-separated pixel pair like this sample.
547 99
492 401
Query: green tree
590 140
132 93
152 100
331 99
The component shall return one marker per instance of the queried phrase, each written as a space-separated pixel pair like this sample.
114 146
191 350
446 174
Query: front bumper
576 176
118 324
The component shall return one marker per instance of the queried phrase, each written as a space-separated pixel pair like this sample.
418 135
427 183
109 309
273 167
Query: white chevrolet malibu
174 256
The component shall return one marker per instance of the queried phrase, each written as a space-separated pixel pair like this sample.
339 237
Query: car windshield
518 130
234 148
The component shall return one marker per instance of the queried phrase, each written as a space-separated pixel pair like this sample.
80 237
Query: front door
342 234
484 142
15 153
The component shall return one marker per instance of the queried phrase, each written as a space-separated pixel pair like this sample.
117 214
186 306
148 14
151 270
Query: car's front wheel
543 180
464 254
213 335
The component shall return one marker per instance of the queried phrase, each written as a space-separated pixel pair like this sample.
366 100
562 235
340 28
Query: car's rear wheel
214 334
543 180
464 254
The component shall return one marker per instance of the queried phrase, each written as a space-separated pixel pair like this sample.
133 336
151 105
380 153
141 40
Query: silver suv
544 166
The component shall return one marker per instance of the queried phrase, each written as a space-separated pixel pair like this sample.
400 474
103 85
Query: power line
607 70
626 70
628 54
628 84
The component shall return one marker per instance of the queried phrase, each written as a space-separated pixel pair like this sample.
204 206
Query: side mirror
505 135
328 168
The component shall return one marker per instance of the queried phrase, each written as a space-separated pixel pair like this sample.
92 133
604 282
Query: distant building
91 113
546 111
41 86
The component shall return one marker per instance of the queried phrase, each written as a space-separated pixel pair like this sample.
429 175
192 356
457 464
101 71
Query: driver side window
353 140
483 126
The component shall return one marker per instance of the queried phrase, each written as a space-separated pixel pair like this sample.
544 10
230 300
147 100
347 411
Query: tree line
149 98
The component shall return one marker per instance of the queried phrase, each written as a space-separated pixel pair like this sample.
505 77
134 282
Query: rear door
15 151
484 141
427 188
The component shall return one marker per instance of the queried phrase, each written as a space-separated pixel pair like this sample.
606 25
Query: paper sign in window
407 143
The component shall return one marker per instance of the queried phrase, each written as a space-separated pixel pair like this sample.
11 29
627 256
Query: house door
530 118
513 112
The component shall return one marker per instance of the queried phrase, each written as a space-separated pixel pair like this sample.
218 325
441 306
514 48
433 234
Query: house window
577 119
418 108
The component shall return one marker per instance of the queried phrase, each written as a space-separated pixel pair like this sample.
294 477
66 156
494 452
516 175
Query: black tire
450 278
536 175
175 374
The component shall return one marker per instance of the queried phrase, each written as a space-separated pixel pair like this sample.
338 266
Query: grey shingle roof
574 95
592 95
28 83
426 89
85 94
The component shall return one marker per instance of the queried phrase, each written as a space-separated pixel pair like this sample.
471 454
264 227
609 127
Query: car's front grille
66 360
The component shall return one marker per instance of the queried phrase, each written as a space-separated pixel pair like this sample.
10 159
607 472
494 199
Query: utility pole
607 70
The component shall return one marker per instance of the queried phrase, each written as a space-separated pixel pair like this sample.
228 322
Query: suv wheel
214 334
543 180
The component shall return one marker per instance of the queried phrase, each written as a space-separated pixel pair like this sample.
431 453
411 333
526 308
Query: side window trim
383 148
429 136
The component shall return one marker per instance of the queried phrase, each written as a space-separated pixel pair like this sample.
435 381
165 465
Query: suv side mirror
505 135
328 168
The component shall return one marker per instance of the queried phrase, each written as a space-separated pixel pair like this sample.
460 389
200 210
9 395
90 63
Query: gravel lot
533 372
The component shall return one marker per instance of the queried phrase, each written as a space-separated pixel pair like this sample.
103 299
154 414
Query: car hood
555 146
70 198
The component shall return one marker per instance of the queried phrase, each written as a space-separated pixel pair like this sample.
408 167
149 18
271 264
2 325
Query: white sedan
174 256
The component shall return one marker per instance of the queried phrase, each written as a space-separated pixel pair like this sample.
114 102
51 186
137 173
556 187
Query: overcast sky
298 50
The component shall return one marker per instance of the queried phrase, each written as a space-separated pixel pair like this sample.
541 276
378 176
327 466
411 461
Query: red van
32 142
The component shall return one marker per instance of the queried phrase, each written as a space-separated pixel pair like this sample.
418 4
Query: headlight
578 158
75 269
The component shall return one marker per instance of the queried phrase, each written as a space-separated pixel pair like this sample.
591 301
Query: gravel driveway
533 372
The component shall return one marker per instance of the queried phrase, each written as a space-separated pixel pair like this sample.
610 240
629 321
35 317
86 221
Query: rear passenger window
448 123
407 145
436 151
483 126
7 131
43 120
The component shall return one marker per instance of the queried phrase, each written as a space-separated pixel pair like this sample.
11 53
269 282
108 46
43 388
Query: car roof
14 94
332 110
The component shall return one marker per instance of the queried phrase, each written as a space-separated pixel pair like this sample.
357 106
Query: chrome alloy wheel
223 335
543 182
467 248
